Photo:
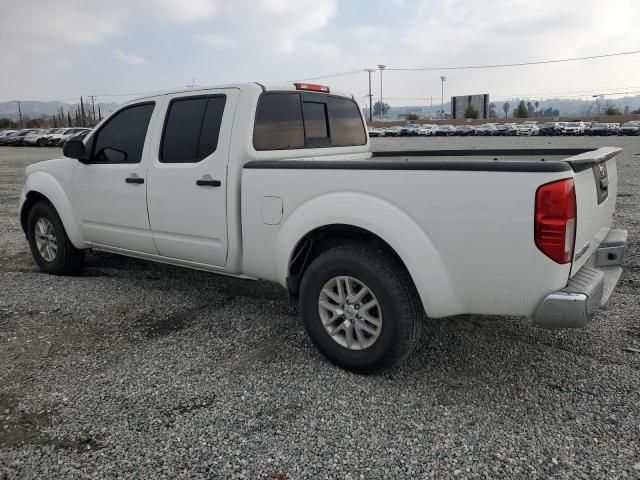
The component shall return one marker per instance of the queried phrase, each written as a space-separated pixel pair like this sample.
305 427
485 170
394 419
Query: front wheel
50 246
360 307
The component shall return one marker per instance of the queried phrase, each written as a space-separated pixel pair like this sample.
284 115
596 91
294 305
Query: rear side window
121 140
291 120
278 122
192 129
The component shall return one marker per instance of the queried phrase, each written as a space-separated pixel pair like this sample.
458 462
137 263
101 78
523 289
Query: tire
399 310
67 260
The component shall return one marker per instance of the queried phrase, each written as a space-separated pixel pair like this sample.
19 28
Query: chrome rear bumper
588 290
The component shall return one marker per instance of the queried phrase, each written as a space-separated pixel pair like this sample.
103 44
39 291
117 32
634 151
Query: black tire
68 260
401 308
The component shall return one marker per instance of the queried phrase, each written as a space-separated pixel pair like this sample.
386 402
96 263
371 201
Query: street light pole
370 71
597 97
381 67
442 79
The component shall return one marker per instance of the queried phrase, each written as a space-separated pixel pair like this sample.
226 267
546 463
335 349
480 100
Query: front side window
121 139
290 120
192 128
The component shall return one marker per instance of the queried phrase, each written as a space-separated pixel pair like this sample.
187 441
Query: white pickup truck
278 183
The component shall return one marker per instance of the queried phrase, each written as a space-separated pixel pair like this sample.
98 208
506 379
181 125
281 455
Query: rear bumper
588 290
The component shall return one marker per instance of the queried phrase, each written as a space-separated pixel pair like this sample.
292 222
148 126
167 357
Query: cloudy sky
58 50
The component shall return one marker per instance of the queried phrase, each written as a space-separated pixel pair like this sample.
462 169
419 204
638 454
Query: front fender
385 220
46 184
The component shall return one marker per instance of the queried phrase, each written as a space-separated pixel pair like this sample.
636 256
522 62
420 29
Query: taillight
312 87
555 220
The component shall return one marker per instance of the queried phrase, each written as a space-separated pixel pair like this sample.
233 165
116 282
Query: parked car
427 130
58 139
6 139
505 129
392 131
34 136
465 130
409 130
486 129
573 128
549 129
4 133
363 243
615 127
601 129
445 130
17 139
630 128
77 136
528 129
376 132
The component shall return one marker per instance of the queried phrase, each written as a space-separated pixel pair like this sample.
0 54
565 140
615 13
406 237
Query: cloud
216 40
129 58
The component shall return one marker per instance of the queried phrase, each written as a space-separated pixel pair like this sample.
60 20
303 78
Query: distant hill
34 109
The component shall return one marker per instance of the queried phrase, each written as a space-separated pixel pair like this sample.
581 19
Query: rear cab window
298 120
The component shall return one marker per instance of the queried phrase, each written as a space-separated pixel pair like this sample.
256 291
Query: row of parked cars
528 128
41 137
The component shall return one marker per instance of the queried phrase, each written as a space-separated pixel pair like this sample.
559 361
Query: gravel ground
138 370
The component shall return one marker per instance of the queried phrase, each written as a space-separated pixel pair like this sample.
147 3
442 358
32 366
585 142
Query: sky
59 50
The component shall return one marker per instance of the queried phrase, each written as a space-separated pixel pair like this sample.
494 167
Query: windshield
631 124
601 125
573 124
549 124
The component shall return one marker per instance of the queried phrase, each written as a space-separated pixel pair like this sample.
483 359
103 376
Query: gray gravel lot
138 370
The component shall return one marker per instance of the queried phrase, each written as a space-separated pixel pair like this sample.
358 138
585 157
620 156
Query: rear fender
385 220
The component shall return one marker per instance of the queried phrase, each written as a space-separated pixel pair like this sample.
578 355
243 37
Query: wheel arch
364 217
41 186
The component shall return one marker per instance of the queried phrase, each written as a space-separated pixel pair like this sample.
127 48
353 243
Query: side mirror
75 149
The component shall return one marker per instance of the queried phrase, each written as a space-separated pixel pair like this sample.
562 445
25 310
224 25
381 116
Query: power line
331 75
519 64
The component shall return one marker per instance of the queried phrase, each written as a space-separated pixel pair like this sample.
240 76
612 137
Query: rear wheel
360 307
50 246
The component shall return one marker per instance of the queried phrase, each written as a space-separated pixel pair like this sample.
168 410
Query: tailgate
596 184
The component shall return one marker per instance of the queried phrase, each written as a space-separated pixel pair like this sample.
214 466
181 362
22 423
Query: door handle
207 181
134 179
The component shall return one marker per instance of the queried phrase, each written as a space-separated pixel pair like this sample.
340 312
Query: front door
187 189
110 189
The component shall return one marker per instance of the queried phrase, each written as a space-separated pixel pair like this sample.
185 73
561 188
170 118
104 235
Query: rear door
187 187
596 190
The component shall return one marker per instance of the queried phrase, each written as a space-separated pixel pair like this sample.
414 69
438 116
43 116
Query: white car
4 133
365 243
36 136
528 129
426 130
574 128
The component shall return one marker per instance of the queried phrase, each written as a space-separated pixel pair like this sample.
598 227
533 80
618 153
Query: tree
471 112
521 111
626 109
412 116
505 108
536 103
376 108
611 109
492 110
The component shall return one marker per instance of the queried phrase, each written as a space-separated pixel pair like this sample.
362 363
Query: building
460 104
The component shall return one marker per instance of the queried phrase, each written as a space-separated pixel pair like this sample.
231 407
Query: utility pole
370 71
381 67
19 112
442 79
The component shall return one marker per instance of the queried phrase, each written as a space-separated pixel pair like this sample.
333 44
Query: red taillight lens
312 87
555 220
